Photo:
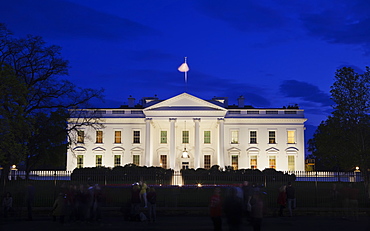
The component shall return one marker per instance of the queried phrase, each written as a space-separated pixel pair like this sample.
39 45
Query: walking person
353 202
291 199
135 202
334 195
257 211
233 207
30 196
7 204
82 200
281 200
90 201
60 208
215 209
71 203
152 199
143 188
97 203
247 196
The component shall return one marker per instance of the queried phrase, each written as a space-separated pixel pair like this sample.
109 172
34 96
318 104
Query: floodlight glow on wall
185 153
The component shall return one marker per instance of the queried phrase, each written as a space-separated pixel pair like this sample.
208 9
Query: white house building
188 132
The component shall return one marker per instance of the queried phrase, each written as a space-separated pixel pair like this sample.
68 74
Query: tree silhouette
343 140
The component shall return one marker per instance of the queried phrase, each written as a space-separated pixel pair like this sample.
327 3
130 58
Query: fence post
105 177
316 190
3 176
55 178
265 181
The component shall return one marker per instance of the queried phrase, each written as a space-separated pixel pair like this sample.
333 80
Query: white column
148 153
196 144
172 144
221 144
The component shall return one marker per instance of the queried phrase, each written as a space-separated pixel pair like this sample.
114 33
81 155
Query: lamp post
357 174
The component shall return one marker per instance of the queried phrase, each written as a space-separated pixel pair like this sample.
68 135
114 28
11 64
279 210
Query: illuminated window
136 138
272 162
117 160
80 137
207 161
163 161
253 162
291 163
98 160
272 137
234 161
136 159
117 137
234 137
80 161
207 137
253 137
99 137
163 137
185 137
291 137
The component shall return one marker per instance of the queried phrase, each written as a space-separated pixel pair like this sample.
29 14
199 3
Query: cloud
62 19
344 22
244 15
304 91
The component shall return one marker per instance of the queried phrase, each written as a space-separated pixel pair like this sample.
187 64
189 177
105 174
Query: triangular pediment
98 149
137 149
233 149
253 150
118 149
79 149
272 150
185 102
292 150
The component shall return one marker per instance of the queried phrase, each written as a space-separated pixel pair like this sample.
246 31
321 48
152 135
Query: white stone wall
127 148
210 118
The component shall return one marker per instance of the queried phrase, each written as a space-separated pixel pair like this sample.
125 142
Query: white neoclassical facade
188 132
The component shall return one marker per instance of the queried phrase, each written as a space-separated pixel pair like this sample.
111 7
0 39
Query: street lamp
13 170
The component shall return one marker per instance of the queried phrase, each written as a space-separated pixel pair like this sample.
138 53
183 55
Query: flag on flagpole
184 67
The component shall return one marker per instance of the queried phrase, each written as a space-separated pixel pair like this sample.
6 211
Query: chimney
131 101
241 101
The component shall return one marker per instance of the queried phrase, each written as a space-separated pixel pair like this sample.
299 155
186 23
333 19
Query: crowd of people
78 203
248 202
244 200
142 195
83 202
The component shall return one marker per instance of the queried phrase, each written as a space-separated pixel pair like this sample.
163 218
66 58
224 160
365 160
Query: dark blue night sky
274 53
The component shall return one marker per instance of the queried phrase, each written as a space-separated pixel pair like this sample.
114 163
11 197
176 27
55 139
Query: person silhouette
291 199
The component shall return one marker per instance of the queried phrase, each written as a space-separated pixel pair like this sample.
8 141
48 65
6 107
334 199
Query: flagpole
186 78
185 68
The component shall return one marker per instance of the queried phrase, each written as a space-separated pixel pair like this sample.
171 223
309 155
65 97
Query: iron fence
313 189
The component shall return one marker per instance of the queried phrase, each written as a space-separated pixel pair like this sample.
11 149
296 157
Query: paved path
191 222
